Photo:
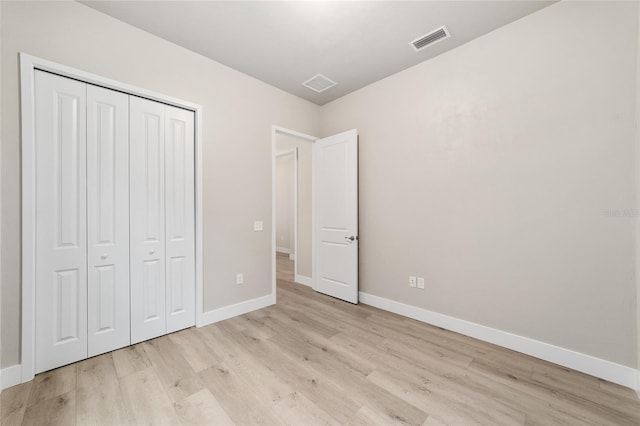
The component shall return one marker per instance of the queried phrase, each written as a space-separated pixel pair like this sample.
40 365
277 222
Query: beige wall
496 171
238 112
284 143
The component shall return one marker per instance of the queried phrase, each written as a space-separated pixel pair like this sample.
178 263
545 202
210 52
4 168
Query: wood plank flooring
314 360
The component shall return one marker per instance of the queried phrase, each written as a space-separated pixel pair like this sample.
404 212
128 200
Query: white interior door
335 207
107 226
147 202
180 218
61 239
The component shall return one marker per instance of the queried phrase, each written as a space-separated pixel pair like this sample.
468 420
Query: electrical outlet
240 279
257 226
421 283
412 281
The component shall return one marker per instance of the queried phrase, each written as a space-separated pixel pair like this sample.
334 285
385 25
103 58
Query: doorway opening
286 212
292 221
325 217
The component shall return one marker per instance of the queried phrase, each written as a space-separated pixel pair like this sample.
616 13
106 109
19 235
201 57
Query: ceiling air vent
319 83
432 38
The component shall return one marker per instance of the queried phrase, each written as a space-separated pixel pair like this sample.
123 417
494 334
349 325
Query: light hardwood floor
312 360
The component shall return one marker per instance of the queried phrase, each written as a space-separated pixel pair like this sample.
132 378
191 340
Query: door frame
28 65
275 131
294 249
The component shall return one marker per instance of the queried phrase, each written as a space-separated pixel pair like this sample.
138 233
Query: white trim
287 152
607 370
304 280
314 264
283 250
289 132
276 130
199 219
28 181
231 311
10 376
28 65
294 252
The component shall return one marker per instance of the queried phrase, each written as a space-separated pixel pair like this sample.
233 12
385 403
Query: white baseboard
607 370
283 250
301 279
231 311
10 376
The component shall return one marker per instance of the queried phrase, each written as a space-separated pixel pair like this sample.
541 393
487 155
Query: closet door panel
147 218
180 218
61 273
107 226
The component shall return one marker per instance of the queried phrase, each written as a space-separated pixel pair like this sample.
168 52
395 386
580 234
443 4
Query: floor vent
433 37
319 83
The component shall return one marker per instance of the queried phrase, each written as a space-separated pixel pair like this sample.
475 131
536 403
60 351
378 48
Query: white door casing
147 219
180 218
335 196
61 250
107 226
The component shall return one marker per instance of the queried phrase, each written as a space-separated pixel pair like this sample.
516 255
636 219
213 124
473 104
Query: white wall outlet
421 283
240 279
412 281
257 225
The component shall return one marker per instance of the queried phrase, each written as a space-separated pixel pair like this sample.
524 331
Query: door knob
152 251
104 256
352 238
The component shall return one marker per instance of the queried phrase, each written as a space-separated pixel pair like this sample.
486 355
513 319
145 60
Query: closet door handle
104 256
152 251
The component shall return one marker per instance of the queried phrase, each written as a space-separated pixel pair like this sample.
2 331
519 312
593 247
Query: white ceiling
286 43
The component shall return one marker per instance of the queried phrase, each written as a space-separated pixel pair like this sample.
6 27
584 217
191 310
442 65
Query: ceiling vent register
319 83
432 38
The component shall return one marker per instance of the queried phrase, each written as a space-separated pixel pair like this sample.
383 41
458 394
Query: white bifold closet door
107 219
162 210
148 295
82 237
61 221
180 218
115 220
